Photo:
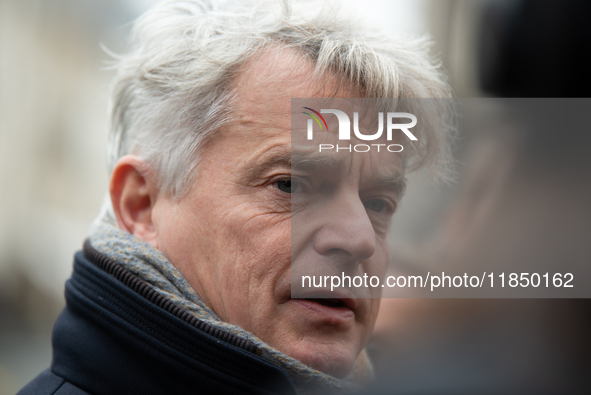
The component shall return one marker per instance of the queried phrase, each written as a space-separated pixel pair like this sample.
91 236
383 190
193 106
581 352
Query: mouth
334 303
327 307
329 311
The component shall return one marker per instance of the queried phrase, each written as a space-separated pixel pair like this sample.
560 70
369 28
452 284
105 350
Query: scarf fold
151 266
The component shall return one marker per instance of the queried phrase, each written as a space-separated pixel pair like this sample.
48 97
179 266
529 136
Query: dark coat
117 335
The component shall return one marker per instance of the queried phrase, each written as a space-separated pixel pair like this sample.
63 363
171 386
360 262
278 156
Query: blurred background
53 132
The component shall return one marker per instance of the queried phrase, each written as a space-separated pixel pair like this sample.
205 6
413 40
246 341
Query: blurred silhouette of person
525 197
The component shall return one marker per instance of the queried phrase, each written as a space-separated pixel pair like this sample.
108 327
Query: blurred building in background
53 94
53 131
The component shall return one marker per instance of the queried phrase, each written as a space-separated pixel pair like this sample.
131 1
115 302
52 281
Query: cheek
257 261
375 308
261 255
173 233
259 238
382 259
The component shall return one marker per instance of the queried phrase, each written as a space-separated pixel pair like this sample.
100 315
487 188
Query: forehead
269 80
264 88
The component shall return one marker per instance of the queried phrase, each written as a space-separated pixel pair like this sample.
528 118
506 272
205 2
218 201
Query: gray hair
173 89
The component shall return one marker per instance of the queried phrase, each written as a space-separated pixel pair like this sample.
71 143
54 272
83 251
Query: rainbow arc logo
316 118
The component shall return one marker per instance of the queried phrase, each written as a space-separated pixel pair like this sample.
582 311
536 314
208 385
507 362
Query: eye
285 185
377 205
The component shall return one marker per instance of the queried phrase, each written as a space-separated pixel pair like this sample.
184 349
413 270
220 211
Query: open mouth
328 302
348 303
336 311
333 311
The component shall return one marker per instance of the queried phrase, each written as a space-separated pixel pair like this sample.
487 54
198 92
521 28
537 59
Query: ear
134 191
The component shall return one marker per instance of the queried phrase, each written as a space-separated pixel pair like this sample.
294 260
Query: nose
346 230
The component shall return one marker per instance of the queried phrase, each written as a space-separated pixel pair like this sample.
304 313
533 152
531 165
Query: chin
333 359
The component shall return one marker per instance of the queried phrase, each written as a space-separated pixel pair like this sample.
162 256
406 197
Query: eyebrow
300 161
311 162
396 184
314 161
281 159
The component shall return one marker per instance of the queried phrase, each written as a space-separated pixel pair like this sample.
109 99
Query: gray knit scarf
151 266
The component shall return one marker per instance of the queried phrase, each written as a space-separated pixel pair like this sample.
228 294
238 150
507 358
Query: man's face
231 235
